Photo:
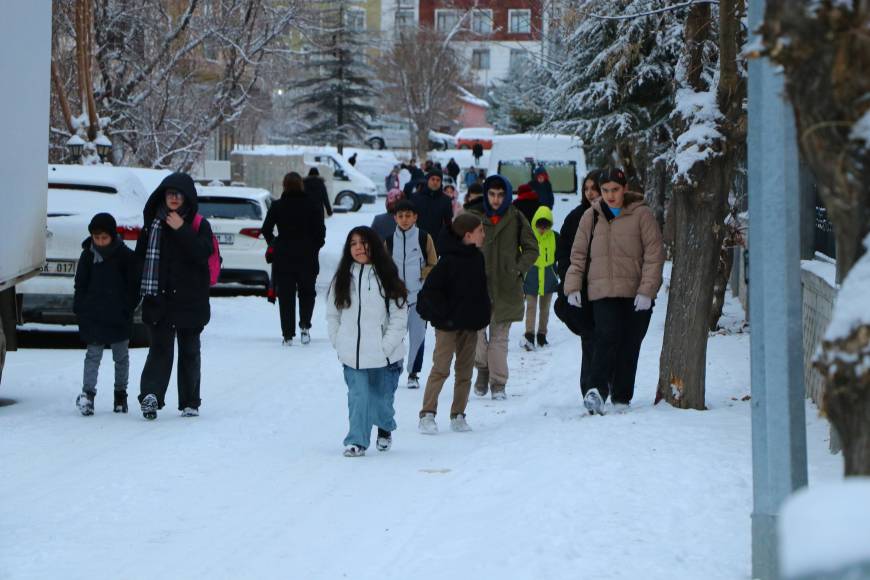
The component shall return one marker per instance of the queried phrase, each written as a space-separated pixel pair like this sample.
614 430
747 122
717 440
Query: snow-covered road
257 487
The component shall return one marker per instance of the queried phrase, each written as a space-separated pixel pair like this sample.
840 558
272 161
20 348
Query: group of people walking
471 271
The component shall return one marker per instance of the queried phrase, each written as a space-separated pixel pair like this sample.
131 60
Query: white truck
25 59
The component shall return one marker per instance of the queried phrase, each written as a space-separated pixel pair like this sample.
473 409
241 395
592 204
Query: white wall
499 57
25 59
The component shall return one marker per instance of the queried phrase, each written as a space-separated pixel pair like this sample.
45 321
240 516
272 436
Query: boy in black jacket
456 301
105 296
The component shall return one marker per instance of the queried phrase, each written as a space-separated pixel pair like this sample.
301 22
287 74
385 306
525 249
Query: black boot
120 402
529 342
542 339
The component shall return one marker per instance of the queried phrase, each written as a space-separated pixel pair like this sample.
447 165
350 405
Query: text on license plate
59 268
226 239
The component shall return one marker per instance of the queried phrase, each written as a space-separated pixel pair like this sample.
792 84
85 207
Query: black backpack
578 320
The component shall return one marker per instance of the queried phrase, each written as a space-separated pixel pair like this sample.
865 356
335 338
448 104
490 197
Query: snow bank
701 112
826 528
853 305
823 269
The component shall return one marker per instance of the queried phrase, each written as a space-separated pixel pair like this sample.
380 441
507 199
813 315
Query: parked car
75 194
517 156
395 133
235 215
467 138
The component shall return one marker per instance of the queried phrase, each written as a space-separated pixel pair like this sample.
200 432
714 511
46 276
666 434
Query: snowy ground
257 487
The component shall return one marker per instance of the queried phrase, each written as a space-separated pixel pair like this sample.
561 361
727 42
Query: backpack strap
589 248
197 221
389 242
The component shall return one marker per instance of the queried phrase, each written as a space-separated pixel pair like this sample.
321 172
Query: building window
520 21
518 58
446 20
406 4
356 19
480 59
481 21
405 19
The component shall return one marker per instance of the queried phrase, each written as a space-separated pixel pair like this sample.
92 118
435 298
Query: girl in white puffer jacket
367 314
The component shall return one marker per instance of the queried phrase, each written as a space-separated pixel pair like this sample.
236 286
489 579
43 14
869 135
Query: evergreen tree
517 104
336 93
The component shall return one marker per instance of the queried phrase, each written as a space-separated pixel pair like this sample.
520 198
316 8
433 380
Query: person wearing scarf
175 293
509 251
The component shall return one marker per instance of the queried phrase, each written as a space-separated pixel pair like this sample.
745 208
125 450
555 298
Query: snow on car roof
255 193
124 179
538 146
475 133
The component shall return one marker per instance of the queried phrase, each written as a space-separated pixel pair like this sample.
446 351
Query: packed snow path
257 487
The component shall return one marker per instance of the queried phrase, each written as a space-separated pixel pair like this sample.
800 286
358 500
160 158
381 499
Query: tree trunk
825 52
720 283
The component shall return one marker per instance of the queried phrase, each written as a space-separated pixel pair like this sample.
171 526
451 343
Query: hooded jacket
183 276
527 202
301 234
106 293
315 189
627 255
455 295
542 278
544 190
509 251
434 211
366 335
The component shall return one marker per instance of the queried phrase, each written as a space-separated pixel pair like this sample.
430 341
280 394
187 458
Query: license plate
59 268
226 239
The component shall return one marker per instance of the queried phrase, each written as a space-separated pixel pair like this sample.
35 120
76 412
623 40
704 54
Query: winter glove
575 299
642 303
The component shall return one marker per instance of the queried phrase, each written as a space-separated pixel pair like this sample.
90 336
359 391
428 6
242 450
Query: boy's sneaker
413 382
120 405
354 451
427 425
621 408
85 404
459 424
481 385
287 342
528 341
385 440
190 412
542 340
593 402
498 393
149 407
306 337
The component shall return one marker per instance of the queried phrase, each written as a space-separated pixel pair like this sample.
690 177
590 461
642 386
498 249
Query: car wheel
140 338
376 143
348 201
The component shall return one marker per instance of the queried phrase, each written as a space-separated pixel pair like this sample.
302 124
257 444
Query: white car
75 194
236 215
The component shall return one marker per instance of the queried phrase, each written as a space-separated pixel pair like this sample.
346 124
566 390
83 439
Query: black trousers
287 287
588 348
619 332
158 365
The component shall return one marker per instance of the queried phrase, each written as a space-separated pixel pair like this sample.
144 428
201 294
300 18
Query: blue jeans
370 395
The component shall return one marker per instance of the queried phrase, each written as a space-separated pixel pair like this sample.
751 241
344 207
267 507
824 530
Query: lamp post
104 147
75 145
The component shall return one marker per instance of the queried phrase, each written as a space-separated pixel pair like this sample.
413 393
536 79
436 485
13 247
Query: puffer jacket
366 335
542 278
414 262
627 252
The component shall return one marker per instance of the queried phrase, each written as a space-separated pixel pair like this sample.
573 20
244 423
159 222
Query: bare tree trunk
61 97
720 284
824 50
698 208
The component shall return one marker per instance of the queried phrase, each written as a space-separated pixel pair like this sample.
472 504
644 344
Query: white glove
575 300
642 303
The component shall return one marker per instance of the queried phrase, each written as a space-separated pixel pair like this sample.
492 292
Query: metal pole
779 457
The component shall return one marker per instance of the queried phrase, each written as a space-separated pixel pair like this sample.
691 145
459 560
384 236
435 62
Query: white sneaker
287 342
593 402
413 382
384 441
459 424
427 425
306 337
621 408
190 412
499 395
354 451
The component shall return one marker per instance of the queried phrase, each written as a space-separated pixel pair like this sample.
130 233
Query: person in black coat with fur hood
173 251
106 293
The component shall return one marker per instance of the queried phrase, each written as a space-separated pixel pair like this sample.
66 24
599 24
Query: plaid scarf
151 272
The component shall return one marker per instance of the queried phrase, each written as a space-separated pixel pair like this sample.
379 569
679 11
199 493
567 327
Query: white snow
861 130
826 529
852 308
256 487
823 269
701 112
470 98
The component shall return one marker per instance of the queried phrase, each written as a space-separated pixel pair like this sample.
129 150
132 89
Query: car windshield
563 175
230 208
517 172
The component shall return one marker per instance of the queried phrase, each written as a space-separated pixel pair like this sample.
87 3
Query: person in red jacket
527 201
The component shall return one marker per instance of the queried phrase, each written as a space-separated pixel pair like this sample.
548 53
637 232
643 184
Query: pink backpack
214 261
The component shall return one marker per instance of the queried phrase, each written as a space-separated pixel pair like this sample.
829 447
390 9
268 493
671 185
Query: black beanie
313 172
434 172
103 223
612 174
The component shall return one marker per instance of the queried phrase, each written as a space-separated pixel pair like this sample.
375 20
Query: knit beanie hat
103 223
612 174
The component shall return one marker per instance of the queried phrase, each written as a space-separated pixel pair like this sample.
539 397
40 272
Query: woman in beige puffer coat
618 253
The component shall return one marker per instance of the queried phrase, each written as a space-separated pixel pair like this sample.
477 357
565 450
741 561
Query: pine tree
335 97
615 88
517 105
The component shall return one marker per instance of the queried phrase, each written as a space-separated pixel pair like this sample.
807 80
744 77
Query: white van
517 156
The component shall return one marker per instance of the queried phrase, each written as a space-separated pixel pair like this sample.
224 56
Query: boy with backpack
456 300
105 296
541 281
413 252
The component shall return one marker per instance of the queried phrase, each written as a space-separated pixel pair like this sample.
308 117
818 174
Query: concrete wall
819 295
